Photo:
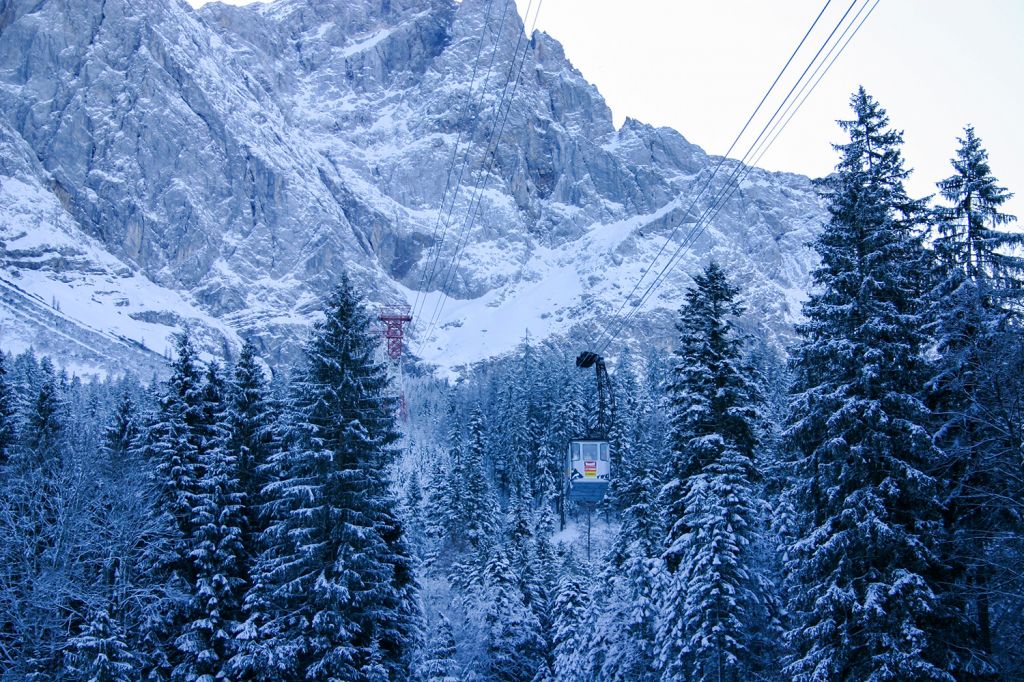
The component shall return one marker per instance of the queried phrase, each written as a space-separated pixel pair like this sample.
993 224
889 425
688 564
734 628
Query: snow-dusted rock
238 159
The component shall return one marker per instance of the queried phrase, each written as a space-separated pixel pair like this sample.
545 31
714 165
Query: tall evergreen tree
866 607
979 292
440 664
100 652
253 424
176 441
569 636
251 417
513 643
715 595
121 438
342 574
412 514
479 502
969 242
206 642
44 436
7 413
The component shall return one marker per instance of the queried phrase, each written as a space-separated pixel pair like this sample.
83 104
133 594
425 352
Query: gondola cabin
588 469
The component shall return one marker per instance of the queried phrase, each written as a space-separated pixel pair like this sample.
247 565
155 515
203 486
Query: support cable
489 158
721 162
739 173
425 280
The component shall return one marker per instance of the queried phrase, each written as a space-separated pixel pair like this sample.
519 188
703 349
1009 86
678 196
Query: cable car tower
588 465
393 319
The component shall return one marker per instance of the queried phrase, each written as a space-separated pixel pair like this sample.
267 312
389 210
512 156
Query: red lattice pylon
394 319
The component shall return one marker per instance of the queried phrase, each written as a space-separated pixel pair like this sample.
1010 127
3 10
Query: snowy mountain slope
240 158
63 294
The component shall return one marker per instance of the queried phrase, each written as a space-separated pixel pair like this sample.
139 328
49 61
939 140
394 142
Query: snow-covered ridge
230 163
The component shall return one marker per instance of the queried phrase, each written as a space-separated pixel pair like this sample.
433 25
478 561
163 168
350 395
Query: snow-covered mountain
162 166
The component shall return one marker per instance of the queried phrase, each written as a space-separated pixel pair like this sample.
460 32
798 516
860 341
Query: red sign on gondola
589 469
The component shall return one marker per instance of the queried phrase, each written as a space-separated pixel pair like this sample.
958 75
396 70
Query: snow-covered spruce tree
479 524
979 292
341 573
865 608
441 506
516 432
569 638
412 514
7 413
100 652
969 244
175 444
40 532
44 435
446 503
439 664
251 418
462 504
714 597
175 447
513 644
121 438
206 642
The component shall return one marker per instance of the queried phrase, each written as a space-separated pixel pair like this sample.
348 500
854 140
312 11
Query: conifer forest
846 504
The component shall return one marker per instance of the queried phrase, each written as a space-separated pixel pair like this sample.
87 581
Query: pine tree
44 436
340 568
520 547
569 637
442 505
461 501
38 523
412 514
478 521
252 420
7 414
176 441
970 244
627 624
206 643
100 653
121 437
978 295
865 607
513 643
440 665
251 416
714 595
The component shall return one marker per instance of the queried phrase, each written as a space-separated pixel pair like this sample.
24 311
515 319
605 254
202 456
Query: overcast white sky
701 68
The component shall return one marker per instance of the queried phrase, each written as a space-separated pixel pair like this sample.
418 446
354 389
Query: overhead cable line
792 106
742 169
739 172
761 153
721 162
489 155
425 280
489 158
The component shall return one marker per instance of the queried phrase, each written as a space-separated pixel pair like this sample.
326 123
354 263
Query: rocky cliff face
232 162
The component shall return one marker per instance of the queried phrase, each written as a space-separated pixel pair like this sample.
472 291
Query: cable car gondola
589 469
